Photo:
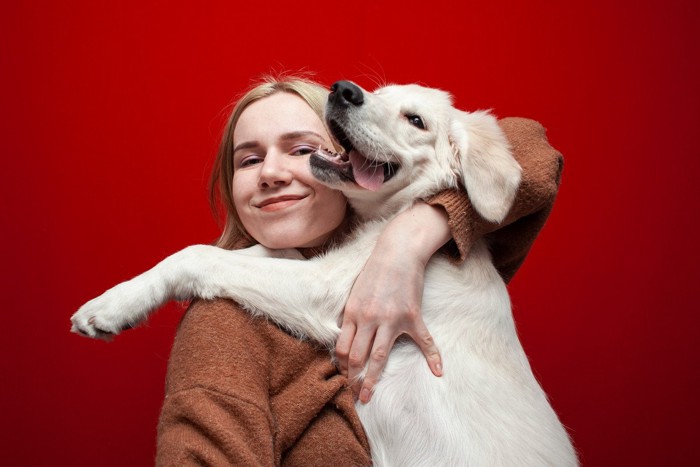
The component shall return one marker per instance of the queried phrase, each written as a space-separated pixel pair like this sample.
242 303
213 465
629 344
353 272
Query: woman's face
279 202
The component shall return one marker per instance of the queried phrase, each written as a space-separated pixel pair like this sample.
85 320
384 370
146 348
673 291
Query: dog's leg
305 297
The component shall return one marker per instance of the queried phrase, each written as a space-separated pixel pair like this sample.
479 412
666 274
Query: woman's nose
274 171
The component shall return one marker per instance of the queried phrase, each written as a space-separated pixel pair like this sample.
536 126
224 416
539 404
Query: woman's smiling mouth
277 203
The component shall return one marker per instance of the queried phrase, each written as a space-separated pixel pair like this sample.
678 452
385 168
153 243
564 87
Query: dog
401 143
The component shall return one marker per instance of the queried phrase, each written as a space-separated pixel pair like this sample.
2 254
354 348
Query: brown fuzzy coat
240 391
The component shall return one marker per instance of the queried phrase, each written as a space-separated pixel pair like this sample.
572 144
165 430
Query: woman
241 391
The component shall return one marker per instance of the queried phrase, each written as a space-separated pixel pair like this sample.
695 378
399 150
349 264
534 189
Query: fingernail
364 395
438 367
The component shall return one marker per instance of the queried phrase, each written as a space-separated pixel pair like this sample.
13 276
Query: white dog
402 143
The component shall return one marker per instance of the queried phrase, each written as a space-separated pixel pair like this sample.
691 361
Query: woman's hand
386 297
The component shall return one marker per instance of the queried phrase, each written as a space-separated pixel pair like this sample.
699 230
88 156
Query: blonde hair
220 183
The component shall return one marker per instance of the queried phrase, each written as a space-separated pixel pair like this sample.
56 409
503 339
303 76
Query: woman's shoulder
215 317
227 366
225 319
214 343
223 327
217 340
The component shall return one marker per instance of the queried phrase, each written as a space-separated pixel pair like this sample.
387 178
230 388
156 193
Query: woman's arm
240 391
385 301
386 297
209 416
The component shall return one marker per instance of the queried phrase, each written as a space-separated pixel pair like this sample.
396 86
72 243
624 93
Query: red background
110 118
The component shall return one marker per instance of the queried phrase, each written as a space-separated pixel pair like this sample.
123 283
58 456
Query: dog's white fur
487 409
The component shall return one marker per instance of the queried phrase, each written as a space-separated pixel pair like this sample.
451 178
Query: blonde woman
241 391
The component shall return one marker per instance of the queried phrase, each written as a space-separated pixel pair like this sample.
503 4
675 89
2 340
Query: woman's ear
488 170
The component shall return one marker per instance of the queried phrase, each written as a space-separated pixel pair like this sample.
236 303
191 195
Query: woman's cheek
335 206
241 201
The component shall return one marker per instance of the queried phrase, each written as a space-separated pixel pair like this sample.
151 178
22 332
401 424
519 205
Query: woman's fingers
369 345
359 353
383 342
425 341
344 344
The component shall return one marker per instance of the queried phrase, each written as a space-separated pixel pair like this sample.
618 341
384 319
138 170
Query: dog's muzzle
345 98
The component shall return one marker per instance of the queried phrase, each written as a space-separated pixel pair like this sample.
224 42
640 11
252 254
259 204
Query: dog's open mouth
354 166
325 163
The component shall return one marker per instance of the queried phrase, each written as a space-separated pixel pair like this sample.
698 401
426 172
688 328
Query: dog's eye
416 121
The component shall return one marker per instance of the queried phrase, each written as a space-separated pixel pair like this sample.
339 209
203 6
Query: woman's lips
278 203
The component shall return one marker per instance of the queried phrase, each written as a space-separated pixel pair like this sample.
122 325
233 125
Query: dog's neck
371 206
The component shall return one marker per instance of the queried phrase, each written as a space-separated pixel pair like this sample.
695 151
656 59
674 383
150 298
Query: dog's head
407 142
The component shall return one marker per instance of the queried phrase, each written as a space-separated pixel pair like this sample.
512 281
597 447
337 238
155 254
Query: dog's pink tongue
368 177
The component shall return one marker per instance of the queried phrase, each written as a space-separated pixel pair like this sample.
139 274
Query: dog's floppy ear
489 172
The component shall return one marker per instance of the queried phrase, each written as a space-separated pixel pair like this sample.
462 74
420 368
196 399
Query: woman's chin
289 240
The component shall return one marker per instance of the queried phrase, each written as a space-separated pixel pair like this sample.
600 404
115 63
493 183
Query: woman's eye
250 160
416 121
302 150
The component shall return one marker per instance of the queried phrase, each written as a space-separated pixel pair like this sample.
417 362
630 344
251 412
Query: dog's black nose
346 93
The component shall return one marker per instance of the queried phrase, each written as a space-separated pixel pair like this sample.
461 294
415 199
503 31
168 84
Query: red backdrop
110 116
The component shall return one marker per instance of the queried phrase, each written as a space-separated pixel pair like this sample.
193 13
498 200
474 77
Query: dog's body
404 143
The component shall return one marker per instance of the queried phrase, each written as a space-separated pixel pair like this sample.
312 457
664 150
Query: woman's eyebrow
300 134
246 145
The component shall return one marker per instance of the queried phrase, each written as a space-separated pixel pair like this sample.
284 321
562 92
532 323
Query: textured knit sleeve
204 422
240 391
511 240
458 207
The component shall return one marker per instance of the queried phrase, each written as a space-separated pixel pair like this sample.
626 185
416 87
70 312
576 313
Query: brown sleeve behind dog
511 240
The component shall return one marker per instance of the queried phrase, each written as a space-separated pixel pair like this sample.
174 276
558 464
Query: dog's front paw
116 310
